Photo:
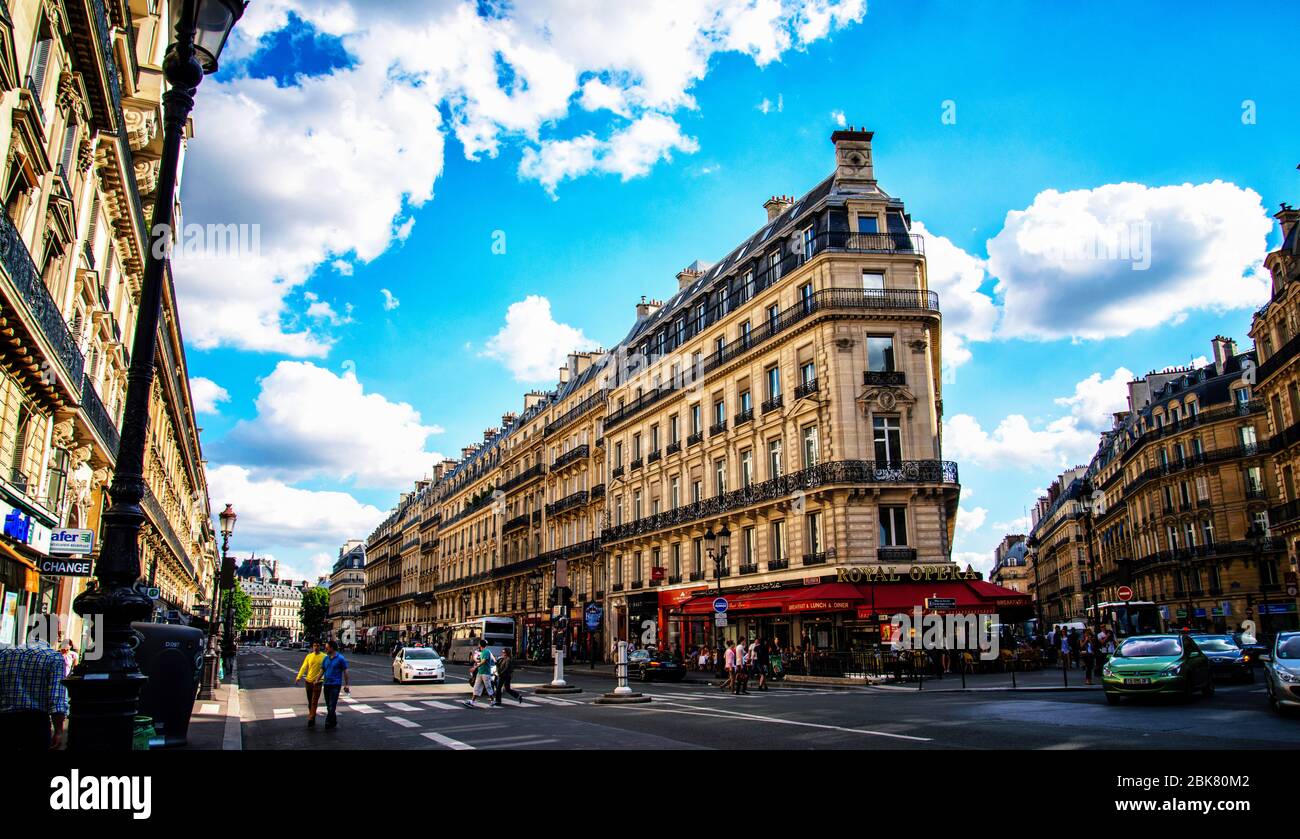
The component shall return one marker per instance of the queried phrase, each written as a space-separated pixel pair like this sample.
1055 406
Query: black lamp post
535 586
227 518
104 693
716 544
1091 502
210 655
1259 541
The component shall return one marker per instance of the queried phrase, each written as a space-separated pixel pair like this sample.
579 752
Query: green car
1147 665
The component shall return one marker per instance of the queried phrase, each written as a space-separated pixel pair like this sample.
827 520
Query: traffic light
560 632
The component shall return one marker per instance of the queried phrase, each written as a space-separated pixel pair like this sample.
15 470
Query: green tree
314 611
243 608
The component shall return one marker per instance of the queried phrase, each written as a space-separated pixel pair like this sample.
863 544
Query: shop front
829 615
24 590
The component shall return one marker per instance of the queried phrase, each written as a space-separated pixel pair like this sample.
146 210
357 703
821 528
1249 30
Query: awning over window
967 596
827 597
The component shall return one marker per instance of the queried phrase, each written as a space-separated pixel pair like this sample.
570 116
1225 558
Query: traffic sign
1124 593
720 604
720 618
1291 591
940 602
153 593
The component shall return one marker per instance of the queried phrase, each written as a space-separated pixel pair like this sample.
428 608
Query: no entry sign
1125 593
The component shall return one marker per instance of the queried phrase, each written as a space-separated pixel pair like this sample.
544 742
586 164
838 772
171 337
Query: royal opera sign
904 573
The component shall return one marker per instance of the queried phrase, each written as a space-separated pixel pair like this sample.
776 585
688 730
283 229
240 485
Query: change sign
56 566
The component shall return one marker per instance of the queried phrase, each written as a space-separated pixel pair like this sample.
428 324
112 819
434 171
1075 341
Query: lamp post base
617 698
210 670
106 705
551 689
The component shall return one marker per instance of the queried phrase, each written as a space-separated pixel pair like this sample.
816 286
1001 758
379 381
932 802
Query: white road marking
441 706
446 741
550 700
283 713
209 708
348 699
696 711
402 706
403 721
362 708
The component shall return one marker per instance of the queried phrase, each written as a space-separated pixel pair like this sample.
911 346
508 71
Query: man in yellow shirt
315 674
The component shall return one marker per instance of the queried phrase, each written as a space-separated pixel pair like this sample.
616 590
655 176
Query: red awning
827 597
970 596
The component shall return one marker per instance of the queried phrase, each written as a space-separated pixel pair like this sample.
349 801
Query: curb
232 739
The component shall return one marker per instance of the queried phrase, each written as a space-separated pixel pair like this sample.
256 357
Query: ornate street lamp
210 657
104 692
227 518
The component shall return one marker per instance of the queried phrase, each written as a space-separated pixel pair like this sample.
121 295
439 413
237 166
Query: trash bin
172 657
143 733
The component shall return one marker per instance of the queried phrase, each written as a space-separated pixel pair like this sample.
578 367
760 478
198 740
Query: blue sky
388 147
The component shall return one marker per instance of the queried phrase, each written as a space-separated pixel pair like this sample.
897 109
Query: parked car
1255 647
648 666
1149 665
414 664
1282 667
1227 659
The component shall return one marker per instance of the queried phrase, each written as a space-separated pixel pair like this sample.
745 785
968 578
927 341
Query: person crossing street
505 671
313 671
335 679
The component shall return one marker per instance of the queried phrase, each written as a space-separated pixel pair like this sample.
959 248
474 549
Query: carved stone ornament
887 399
844 344
61 434
917 345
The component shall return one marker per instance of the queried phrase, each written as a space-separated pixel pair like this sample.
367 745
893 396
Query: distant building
1010 566
276 609
347 585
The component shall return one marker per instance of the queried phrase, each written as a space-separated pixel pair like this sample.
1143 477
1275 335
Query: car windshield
1148 647
638 655
1216 645
1288 647
421 655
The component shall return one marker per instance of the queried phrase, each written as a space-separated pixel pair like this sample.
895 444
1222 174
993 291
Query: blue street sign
720 605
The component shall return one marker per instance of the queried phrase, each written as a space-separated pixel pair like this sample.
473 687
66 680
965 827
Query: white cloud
276 515
1095 399
1020 524
321 310
981 561
968 521
343 267
629 152
1015 443
767 106
345 157
968 313
1071 264
839 118
206 394
532 344
390 302
312 423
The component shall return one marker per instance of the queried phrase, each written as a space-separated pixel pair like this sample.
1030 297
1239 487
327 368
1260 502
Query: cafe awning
965 596
826 597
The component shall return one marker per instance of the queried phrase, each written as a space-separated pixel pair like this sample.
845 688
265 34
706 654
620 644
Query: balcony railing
886 378
897 555
573 414
568 502
618 472
34 294
819 558
696 576
805 389
778 564
717 428
98 416
752 568
573 454
744 417
853 472
598 491
692 439
675 447
534 471
773 404
638 463
516 523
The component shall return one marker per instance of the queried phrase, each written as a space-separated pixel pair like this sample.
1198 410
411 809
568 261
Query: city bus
499 632
1136 617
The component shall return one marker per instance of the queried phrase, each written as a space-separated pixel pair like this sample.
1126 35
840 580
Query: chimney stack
691 273
532 399
564 375
1287 217
646 308
1224 349
776 205
489 433
508 419
853 161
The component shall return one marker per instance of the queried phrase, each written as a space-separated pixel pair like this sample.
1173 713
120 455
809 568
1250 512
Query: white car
415 664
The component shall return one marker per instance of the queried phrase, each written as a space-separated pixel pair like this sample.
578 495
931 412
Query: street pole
104 692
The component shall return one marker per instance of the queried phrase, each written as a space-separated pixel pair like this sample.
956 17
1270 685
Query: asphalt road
383 715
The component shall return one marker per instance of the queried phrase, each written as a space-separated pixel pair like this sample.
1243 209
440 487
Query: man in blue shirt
33 701
335 667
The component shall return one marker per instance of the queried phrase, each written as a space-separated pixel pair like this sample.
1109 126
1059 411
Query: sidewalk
1047 679
215 723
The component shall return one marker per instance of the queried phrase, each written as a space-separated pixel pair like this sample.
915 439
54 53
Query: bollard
623 694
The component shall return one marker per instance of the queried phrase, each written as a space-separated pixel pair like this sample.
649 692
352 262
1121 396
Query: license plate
1136 681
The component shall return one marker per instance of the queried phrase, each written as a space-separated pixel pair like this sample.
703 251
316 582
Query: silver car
1283 669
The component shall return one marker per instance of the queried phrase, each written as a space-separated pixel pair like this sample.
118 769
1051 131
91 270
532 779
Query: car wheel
1112 699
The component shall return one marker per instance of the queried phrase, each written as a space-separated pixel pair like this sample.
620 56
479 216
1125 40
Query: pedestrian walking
762 662
335 679
313 671
33 701
69 654
741 683
1088 653
1064 647
505 672
481 674
1074 647
729 662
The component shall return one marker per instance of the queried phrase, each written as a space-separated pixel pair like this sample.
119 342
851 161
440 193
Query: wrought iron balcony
617 587
534 471
517 522
574 454
675 447
805 389
654 456
696 576
598 491
674 579
853 472
749 569
717 428
570 416
778 564
618 472
36 297
744 417
98 416
694 438
886 378
819 558
568 502
774 403
896 555
638 463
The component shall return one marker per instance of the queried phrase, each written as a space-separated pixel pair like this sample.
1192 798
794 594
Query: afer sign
68 540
